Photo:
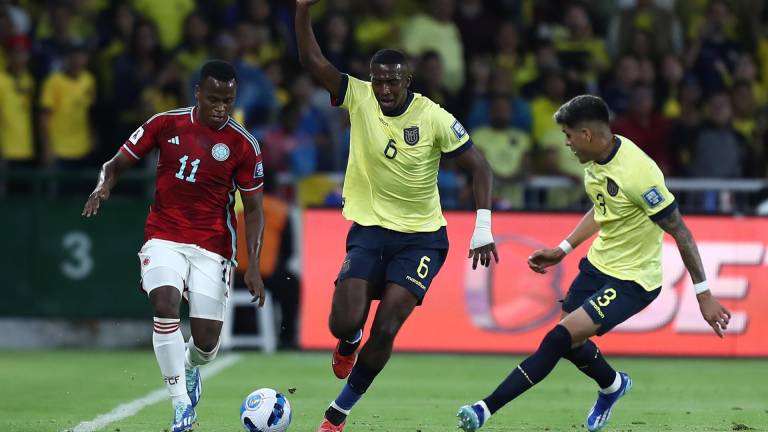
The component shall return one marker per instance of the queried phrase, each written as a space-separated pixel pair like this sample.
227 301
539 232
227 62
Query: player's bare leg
395 307
351 303
168 343
201 349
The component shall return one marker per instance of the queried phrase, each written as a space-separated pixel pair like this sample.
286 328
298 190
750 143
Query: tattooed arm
713 312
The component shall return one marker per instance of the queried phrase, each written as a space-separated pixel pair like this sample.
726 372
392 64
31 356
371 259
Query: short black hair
582 108
389 56
218 70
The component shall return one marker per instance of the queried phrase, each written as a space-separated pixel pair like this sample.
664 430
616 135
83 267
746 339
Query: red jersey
198 170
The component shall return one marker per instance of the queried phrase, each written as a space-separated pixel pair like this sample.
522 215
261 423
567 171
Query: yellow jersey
69 99
629 195
391 177
16 138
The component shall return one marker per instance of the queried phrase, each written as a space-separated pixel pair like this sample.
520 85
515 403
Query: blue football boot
601 411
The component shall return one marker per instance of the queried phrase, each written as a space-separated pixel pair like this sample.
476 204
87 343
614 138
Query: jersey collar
616 145
403 107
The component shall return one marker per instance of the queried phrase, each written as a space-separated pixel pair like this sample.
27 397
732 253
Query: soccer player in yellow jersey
398 241
621 274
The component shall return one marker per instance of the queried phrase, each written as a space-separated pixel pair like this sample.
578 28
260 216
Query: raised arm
713 312
254 236
543 258
310 55
108 176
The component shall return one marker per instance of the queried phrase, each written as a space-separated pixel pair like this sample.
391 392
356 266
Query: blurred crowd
685 80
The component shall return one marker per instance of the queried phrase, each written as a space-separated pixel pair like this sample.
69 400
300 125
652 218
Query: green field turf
54 391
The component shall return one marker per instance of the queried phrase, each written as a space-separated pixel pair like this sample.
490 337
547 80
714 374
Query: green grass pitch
53 391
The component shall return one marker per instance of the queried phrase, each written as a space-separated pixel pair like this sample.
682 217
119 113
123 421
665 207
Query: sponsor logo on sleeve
259 171
136 135
653 197
458 129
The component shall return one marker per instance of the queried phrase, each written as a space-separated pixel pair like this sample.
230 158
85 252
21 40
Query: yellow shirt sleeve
649 191
353 93
449 132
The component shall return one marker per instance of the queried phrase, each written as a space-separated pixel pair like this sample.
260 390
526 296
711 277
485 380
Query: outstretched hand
543 258
483 254
306 2
94 201
715 314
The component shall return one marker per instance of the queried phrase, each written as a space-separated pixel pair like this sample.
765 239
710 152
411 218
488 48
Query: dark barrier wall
55 263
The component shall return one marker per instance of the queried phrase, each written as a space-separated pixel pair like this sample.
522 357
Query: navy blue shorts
380 255
607 300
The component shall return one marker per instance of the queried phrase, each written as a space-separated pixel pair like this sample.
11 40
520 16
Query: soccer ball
265 410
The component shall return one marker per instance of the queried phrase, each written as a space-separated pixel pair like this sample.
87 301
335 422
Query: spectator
258 47
437 31
321 153
713 55
428 80
193 51
500 85
281 140
645 127
17 87
543 107
718 151
478 27
379 27
338 43
645 16
50 49
65 102
508 151
672 74
168 16
616 93
685 127
256 102
582 54
510 57
134 70
116 40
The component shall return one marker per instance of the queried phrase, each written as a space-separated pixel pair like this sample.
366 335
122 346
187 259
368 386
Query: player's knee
206 352
343 327
384 331
166 301
558 340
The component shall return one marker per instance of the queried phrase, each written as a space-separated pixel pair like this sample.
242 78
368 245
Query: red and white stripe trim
166 325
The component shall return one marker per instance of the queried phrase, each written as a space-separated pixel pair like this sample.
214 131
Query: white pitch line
132 408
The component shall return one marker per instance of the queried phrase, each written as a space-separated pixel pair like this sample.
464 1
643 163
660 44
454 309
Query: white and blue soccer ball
265 410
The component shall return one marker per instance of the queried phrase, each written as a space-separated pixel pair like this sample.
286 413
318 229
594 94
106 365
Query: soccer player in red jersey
189 249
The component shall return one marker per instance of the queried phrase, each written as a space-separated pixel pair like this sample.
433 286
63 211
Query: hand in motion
715 314
94 201
255 285
483 254
306 2
543 258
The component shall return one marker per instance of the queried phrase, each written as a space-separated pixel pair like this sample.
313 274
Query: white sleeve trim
129 151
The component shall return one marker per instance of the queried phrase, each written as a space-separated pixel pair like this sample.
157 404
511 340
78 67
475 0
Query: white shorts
203 277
